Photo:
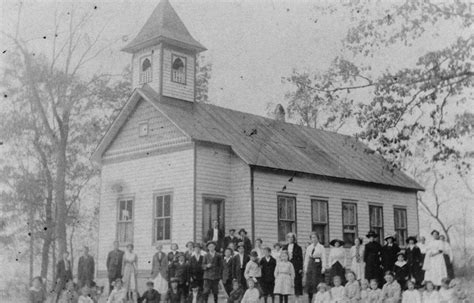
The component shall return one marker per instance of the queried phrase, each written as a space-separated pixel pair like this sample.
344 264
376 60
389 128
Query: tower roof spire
164 25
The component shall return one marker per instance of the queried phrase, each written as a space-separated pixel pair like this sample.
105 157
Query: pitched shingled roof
164 25
268 143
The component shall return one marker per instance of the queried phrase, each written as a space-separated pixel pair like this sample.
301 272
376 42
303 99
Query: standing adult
448 257
259 248
231 238
414 261
212 271
159 270
337 260
63 273
114 265
434 265
216 235
245 240
227 270
372 255
422 246
173 255
129 272
196 270
389 253
190 251
85 269
357 259
239 262
314 265
295 254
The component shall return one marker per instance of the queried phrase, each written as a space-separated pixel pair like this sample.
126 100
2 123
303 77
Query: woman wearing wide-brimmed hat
414 261
389 253
372 254
337 260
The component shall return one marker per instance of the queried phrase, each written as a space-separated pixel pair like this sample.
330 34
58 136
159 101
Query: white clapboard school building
170 166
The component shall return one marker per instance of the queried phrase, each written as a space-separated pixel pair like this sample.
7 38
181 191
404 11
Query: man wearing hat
245 240
239 263
196 262
414 260
389 253
216 235
212 271
372 258
231 238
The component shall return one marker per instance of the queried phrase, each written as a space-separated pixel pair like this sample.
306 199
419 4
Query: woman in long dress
448 257
284 278
357 258
129 272
434 265
314 265
159 270
337 259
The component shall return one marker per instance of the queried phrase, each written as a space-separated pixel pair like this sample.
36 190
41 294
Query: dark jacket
150 296
227 269
297 261
63 273
236 296
268 269
220 238
389 256
415 263
401 274
159 265
114 264
180 271
372 255
196 270
238 268
172 257
199 298
247 245
228 240
172 297
212 266
85 269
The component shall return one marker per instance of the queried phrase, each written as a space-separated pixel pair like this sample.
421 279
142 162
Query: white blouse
315 251
337 254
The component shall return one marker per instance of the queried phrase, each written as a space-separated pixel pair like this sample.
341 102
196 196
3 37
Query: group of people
250 273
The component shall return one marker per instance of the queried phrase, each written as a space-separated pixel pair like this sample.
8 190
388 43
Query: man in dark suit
216 235
114 265
212 271
85 269
227 270
63 273
196 271
180 271
372 255
239 261
231 238
246 241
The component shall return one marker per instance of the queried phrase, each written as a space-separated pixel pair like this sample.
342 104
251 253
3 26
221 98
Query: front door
213 210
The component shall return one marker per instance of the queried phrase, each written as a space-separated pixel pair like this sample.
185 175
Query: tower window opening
145 71
178 70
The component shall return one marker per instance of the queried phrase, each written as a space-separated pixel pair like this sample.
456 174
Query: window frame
405 229
294 225
174 56
155 218
118 221
381 233
327 224
356 217
145 77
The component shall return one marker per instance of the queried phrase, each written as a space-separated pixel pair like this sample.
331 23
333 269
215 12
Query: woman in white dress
448 257
434 265
129 272
357 257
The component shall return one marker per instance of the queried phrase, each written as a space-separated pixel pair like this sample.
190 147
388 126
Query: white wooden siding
267 187
141 178
239 210
154 52
161 132
177 90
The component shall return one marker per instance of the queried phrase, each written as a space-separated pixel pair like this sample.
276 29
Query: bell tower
164 55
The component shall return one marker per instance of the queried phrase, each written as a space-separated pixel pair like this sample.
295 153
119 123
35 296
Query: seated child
151 295
364 291
374 293
411 295
252 295
118 294
391 290
338 291
430 294
195 295
459 295
401 270
352 288
323 295
237 292
174 293
85 296
69 295
37 292
445 293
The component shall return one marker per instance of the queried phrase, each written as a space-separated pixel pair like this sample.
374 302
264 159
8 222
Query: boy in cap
151 295
245 240
212 271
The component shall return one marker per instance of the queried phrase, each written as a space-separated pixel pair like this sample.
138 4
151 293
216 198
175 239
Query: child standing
323 295
252 295
151 295
445 293
364 291
284 278
401 270
252 269
352 288
411 295
237 292
375 293
338 291
430 294
391 290
267 282
37 292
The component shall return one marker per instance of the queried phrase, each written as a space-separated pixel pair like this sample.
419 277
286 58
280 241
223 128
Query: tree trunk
31 216
48 233
60 195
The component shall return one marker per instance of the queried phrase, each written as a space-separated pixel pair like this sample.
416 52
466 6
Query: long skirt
435 269
129 277
284 285
160 284
313 275
337 270
449 267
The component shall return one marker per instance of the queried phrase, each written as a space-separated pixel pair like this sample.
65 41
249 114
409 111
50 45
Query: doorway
213 209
